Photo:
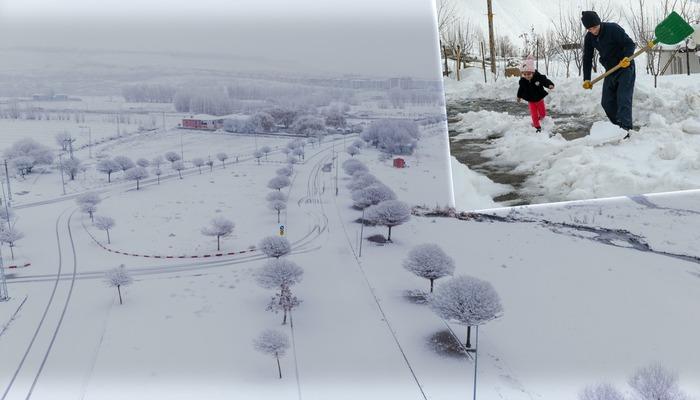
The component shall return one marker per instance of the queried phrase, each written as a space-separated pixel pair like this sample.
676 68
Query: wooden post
459 53
446 72
492 43
483 61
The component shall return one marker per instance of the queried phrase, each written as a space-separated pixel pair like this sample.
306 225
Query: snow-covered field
664 155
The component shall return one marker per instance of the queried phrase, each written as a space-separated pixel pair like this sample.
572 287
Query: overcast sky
369 37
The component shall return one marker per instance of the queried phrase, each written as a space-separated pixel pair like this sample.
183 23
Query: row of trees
653 382
392 136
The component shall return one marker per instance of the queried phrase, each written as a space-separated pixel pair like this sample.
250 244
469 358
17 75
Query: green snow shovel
671 30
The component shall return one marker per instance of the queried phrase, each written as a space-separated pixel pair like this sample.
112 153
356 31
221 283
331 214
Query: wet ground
469 151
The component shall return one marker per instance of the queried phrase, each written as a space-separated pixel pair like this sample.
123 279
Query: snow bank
473 191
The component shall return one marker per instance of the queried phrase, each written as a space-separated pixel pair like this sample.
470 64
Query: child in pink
531 89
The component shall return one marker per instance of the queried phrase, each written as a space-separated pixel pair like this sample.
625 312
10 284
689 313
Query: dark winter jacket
612 44
533 90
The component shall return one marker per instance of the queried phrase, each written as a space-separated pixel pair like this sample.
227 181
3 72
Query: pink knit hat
528 65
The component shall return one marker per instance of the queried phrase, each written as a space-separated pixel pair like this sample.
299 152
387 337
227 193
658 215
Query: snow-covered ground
664 155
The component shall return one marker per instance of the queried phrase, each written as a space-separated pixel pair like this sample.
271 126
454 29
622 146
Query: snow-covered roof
203 117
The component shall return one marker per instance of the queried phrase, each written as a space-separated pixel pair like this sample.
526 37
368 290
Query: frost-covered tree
601 391
89 209
64 140
261 122
372 195
25 154
335 118
157 161
275 246
278 206
172 157
258 155
108 167
266 150
285 171
299 152
279 272
219 227
6 214
361 180
88 198
210 164
286 150
104 223
284 116
429 261
124 162
158 172
10 235
353 166
353 151
393 136
136 174
308 125
198 162
178 166
283 301
71 167
278 182
276 196
389 213
466 300
143 163
291 160
654 382
274 343
117 278
222 157
359 143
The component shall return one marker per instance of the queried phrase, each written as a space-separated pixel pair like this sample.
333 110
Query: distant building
678 59
203 122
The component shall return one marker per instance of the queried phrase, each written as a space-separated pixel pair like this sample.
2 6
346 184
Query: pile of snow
473 191
664 155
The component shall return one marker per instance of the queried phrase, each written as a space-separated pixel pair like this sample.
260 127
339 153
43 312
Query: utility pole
119 134
362 229
60 166
492 43
7 176
476 358
4 295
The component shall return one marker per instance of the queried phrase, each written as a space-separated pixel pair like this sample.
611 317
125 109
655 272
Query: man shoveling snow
615 48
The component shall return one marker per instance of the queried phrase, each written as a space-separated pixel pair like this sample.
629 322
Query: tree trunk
158 176
224 163
218 243
284 319
278 216
120 293
469 336
12 251
91 218
388 239
431 285
108 241
137 184
179 173
109 177
279 368
200 170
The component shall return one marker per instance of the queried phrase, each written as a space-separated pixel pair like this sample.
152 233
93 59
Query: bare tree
655 382
220 227
274 343
89 209
278 206
157 172
104 223
601 391
210 164
10 235
446 16
119 277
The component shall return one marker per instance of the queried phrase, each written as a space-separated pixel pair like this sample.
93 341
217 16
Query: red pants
537 112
